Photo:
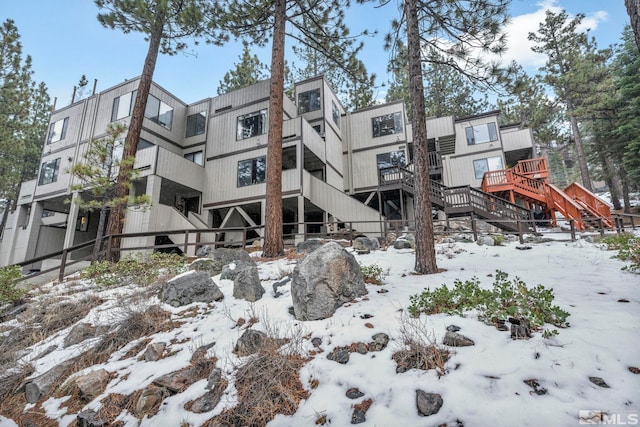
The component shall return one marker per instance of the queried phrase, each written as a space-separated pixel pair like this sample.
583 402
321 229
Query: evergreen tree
571 59
318 24
24 113
80 91
626 69
353 84
248 71
99 173
465 34
167 24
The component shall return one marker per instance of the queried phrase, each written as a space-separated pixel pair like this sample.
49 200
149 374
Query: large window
394 158
252 171
195 157
49 172
289 158
196 124
387 124
335 113
481 133
143 144
57 130
159 112
123 106
481 166
252 124
309 101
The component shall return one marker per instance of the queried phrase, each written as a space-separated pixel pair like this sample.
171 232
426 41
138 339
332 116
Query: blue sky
66 41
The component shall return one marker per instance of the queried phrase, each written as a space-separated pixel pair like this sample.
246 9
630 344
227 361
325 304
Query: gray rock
325 280
178 381
93 384
154 352
249 342
214 378
520 329
89 418
79 333
402 244
599 382
354 393
207 402
358 416
379 343
428 403
197 286
365 243
38 387
230 271
203 264
308 246
279 284
150 398
200 354
204 251
340 355
485 241
247 284
454 339
223 256
453 328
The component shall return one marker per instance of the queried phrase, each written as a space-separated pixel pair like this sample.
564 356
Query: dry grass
420 350
268 382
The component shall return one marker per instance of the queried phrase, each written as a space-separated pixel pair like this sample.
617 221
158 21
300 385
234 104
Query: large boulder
246 283
365 244
224 256
323 281
308 246
196 286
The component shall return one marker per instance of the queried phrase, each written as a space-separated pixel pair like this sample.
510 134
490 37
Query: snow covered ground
484 385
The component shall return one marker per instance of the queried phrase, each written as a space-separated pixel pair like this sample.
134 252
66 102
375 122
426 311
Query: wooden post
63 263
573 229
186 241
601 226
474 228
520 236
108 250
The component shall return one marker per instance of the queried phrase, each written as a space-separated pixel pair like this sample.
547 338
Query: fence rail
343 231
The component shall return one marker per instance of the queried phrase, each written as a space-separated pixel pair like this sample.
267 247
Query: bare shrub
419 350
268 382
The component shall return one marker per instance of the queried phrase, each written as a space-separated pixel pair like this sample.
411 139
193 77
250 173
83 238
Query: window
57 130
49 172
394 158
289 157
123 106
481 133
335 113
309 101
318 128
481 166
143 143
159 112
386 125
252 171
195 157
196 123
252 124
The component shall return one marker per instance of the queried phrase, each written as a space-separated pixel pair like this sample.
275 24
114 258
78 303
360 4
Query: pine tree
24 116
633 9
167 24
571 56
319 24
466 34
100 172
248 71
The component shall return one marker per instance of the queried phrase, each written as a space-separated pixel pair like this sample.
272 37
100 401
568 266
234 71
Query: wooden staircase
460 201
528 181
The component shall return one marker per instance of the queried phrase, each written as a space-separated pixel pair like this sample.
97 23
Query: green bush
505 299
373 274
10 291
628 247
140 269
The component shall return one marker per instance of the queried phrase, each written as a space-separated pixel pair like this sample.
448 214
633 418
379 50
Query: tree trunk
116 218
633 9
425 243
273 243
582 158
98 245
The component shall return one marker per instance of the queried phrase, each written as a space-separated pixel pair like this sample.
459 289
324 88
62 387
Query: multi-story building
203 164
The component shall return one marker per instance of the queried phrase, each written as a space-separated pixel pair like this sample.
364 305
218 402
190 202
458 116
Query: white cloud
519 47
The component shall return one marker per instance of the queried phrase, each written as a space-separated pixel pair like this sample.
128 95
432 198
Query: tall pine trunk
633 9
116 218
582 157
273 243
425 243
